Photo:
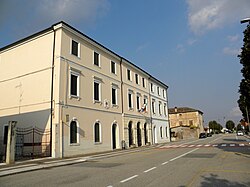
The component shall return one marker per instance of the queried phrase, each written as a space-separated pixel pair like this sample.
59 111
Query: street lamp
245 20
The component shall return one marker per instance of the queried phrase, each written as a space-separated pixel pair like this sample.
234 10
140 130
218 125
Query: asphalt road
221 160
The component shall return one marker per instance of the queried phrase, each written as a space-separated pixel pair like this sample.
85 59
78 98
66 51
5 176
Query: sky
190 45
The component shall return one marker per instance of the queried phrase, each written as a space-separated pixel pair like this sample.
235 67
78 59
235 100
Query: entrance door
155 136
130 134
145 133
114 129
138 134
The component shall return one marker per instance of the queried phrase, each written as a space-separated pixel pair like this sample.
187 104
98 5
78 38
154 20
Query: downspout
123 141
169 129
52 91
151 117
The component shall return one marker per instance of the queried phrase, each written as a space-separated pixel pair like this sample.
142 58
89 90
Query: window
130 100
161 132
136 79
75 48
180 123
73 132
145 102
97 91
97 134
96 59
129 74
143 83
166 132
163 93
158 90
153 106
152 87
114 96
165 109
113 67
138 102
74 84
160 112
5 134
191 123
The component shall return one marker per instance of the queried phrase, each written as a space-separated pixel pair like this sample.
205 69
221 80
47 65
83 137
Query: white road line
183 154
164 163
125 180
215 145
199 145
207 145
149 169
191 146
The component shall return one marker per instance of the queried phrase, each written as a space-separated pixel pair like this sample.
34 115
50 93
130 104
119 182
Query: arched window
161 131
97 133
73 132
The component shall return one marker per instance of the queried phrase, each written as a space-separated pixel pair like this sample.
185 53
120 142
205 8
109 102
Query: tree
230 125
244 99
216 127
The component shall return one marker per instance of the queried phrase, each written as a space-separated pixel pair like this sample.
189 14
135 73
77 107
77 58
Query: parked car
202 135
240 133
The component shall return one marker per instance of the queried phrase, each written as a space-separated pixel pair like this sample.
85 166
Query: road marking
241 144
223 145
207 145
183 154
164 163
215 145
149 169
125 180
191 146
199 145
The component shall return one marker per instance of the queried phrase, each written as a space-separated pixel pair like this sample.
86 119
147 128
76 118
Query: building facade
159 111
90 98
185 122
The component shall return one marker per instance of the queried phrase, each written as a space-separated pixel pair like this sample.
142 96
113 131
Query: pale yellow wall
136 88
185 118
25 76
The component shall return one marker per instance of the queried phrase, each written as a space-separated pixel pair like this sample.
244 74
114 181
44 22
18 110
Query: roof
178 110
51 28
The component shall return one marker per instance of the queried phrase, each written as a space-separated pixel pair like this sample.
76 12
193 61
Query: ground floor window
97 133
73 132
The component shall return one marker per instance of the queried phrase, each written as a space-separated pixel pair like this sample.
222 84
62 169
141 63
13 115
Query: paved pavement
44 163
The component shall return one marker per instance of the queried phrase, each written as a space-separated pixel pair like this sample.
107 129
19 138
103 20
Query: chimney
175 109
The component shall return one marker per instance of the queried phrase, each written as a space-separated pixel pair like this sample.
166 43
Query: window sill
97 102
115 106
74 144
74 97
97 143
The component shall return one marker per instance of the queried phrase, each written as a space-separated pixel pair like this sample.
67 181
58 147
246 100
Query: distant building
185 122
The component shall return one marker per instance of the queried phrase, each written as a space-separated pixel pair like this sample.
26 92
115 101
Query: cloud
234 38
26 16
142 47
231 51
180 48
212 14
72 10
235 112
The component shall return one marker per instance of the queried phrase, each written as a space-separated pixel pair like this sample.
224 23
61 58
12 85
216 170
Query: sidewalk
48 162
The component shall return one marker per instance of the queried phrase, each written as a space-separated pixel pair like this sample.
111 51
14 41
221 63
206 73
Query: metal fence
32 143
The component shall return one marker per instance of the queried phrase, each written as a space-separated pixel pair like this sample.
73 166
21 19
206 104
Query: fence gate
32 143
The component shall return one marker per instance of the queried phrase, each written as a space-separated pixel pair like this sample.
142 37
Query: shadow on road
213 180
